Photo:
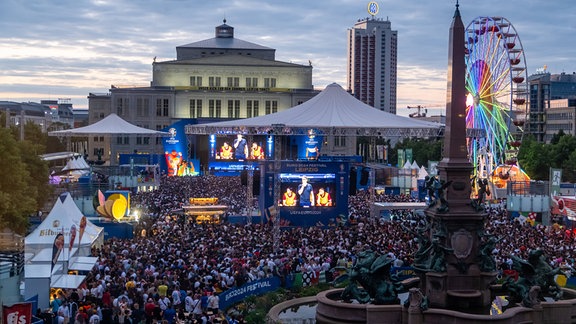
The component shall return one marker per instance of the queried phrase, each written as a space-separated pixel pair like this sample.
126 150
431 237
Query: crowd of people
176 271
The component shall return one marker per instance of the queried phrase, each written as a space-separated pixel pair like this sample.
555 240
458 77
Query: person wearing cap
306 193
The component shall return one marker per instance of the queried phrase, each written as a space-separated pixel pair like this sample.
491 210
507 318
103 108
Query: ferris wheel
496 83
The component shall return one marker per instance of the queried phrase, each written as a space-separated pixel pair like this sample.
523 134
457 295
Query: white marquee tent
39 274
331 112
111 125
63 215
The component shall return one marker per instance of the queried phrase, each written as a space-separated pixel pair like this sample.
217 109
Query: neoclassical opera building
217 78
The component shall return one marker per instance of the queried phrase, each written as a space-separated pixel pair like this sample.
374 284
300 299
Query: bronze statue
440 194
483 190
429 184
534 272
487 262
372 272
422 237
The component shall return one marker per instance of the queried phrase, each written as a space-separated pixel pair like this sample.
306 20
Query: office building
560 116
545 87
372 63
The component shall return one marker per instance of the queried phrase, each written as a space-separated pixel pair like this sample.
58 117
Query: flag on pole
57 248
72 238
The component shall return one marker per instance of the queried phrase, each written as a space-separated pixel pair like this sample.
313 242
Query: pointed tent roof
415 165
64 214
422 173
332 111
111 125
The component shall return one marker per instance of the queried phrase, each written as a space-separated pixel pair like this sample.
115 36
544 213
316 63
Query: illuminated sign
373 8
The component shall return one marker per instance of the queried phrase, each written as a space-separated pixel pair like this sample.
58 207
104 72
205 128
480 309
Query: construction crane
419 112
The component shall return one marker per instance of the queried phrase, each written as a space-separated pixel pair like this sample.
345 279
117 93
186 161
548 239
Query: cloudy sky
52 49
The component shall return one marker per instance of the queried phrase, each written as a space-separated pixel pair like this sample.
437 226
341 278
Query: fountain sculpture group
454 263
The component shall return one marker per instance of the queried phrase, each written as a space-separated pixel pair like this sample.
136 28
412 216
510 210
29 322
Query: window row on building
213 108
232 82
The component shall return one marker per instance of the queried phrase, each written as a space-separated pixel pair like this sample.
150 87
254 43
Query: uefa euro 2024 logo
172 132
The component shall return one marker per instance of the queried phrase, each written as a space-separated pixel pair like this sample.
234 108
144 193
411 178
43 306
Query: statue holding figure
483 191
429 185
440 194
422 237
533 272
372 272
487 262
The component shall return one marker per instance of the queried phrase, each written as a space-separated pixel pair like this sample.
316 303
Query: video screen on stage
240 148
307 190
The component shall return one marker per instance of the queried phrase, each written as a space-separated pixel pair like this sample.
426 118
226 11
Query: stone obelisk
455 278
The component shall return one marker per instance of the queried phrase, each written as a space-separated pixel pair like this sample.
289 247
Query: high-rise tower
372 63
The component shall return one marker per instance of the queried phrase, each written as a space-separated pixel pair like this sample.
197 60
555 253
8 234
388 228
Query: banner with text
20 313
258 287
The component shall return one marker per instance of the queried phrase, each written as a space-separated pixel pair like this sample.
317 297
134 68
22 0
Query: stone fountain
456 270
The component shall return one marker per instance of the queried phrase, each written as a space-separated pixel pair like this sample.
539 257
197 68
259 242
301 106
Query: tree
17 192
24 185
569 168
562 150
534 158
423 150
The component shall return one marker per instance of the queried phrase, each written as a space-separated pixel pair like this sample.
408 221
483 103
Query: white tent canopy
332 112
422 173
111 125
63 215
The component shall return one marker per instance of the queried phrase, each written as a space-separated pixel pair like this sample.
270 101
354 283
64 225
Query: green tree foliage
537 158
423 150
561 153
24 184
16 194
534 158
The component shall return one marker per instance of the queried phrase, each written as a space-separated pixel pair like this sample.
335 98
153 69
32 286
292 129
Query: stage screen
322 203
177 160
321 188
240 148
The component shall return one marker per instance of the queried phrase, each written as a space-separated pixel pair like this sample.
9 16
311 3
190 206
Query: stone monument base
331 310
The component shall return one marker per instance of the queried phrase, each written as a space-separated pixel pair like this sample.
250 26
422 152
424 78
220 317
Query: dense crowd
175 272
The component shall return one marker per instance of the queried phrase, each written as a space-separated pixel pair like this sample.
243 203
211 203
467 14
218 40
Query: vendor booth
47 262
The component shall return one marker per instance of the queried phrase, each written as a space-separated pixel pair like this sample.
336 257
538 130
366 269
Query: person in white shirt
163 302
189 303
197 307
64 312
176 298
94 319
214 303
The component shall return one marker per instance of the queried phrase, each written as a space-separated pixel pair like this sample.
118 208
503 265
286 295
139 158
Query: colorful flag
57 248
72 238
83 223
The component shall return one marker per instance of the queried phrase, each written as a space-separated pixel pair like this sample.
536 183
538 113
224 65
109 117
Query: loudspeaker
256 183
244 177
364 177
353 180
